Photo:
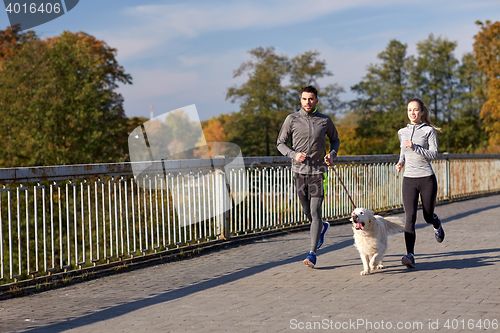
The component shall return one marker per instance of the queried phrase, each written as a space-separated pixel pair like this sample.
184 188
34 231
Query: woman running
418 148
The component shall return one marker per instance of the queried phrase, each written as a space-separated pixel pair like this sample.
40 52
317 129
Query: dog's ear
371 215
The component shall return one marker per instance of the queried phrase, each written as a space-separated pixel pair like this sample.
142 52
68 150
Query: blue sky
185 52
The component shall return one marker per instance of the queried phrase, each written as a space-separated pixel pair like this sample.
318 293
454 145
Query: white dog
370 236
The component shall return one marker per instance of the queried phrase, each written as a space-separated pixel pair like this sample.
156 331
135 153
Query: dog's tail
394 225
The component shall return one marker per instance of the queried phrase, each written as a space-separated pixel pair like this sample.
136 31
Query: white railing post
223 203
203 199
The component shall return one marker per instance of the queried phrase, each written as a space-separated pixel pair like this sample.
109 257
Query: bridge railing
66 218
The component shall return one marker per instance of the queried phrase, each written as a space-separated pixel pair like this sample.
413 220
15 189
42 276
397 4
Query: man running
307 129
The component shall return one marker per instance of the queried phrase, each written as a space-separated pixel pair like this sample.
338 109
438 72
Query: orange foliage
11 39
213 132
487 52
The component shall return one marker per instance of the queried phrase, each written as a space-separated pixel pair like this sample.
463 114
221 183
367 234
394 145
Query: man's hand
328 160
300 157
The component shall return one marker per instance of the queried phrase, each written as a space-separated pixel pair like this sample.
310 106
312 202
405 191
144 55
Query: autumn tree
213 131
487 53
58 101
11 39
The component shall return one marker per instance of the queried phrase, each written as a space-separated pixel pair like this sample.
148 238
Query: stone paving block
262 286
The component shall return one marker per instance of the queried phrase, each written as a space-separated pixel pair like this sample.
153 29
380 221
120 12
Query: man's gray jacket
307 132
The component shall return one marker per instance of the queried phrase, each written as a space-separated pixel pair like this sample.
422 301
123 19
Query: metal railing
63 218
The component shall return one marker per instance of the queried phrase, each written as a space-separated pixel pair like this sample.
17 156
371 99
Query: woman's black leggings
427 188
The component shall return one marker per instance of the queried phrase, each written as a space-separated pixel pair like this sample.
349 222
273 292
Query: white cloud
127 47
160 37
386 34
152 26
208 84
461 33
190 20
193 61
471 5
160 82
347 65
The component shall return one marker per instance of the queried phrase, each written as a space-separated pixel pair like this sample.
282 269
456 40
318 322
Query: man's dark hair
309 89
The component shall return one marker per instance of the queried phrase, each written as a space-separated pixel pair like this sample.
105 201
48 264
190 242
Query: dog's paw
380 266
364 273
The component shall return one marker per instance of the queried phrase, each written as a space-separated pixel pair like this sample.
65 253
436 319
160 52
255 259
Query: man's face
308 101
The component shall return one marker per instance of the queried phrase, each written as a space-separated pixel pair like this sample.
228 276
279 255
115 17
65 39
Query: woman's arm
430 153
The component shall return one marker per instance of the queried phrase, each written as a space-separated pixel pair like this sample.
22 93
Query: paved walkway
264 287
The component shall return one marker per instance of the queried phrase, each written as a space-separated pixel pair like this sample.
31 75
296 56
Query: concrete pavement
264 287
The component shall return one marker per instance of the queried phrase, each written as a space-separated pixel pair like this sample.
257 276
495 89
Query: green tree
58 102
265 99
263 102
487 52
466 131
434 80
306 69
433 74
383 94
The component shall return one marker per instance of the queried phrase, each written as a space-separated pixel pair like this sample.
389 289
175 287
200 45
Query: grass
67 279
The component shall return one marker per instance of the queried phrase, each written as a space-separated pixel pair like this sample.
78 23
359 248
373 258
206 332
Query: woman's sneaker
310 260
326 226
408 260
439 233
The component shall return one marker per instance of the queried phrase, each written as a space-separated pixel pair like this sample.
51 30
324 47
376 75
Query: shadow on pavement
469 212
452 263
453 260
170 295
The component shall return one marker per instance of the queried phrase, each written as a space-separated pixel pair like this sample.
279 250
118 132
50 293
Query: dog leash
341 182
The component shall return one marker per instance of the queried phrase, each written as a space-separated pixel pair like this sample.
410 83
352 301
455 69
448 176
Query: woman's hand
409 144
399 166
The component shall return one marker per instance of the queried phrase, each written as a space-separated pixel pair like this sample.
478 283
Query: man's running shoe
326 226
310 260
408 260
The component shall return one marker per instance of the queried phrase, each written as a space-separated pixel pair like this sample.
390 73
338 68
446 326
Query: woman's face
415 114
